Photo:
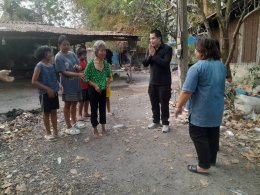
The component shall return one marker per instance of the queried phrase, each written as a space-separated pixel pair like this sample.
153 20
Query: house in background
247 50
19 40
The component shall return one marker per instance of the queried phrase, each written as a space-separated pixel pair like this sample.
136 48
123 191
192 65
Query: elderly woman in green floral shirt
97 76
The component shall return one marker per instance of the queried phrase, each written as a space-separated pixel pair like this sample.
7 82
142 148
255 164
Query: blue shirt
66 62
206 81
47 77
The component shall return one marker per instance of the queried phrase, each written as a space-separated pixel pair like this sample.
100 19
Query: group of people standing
81 83
203 87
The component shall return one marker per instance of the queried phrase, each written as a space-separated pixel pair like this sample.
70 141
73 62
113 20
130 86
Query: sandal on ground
49 137
72 131
80 125
58 135
193 168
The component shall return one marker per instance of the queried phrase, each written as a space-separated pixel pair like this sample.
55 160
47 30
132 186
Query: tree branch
252 12
242 18
228 11
204 18
234 38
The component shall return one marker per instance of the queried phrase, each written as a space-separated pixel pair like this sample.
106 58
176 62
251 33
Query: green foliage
131 16
191 55
53 12
13 11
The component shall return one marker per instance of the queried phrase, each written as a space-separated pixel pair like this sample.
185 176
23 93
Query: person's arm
77 67
183 98
165 60
147 59
189 86
72 74
229 74
60 68
109 76
87 79
96 87
38 84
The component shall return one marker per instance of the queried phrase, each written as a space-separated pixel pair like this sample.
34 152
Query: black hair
62 38
82 45
208 48
157 33
41 52
81 51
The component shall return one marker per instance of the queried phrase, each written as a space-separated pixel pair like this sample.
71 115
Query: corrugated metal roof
34 27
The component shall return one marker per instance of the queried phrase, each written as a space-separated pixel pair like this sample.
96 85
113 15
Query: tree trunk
205 7
183 35
165 26
201 8
234 38
223 22
224 43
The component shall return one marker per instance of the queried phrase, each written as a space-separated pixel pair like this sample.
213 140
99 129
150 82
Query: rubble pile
244 134
20 125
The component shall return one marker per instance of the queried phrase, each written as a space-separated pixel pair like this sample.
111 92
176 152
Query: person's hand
229 79
151 50
4 76
98 89
81 75
77 67
60 87
107 84
50 93
178 111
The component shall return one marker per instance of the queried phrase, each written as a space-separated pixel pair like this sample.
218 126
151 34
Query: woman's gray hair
99 45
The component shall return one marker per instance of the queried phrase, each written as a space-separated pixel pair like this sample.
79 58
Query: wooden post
183 39
131 49
258 46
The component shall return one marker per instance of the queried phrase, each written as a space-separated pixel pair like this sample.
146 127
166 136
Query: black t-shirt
160 73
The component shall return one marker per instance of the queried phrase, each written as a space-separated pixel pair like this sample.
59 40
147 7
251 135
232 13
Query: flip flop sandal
193 168
80 125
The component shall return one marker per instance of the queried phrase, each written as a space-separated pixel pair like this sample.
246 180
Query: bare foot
96 133
104 132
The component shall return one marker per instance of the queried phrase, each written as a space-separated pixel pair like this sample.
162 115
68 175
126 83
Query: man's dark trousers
160 96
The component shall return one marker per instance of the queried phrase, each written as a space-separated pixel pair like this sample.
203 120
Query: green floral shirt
96 76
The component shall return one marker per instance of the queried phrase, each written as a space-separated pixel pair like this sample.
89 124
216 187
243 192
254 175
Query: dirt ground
131 160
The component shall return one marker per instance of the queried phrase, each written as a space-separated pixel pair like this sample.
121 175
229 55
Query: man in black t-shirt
159 56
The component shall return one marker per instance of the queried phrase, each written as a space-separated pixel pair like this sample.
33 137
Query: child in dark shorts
45 79
84 103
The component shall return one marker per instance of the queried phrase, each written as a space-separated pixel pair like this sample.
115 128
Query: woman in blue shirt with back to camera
205 85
